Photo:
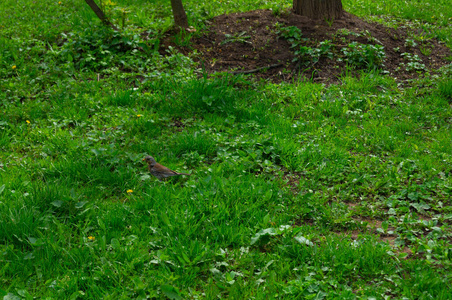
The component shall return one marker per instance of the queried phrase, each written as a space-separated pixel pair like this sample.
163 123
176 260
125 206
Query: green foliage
364 56
298 190
292 33
236 38
104 48
412 62
309 52
304 54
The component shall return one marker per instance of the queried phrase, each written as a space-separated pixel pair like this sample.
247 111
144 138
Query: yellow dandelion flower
139 116
28 122
129 191
91 238
13 67
59 2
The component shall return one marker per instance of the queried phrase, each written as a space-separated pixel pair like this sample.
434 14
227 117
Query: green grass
433 18
286 177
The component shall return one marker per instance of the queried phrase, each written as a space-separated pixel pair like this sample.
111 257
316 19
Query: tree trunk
100 14
180 18
319 9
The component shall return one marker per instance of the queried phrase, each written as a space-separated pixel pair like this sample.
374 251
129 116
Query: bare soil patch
249 42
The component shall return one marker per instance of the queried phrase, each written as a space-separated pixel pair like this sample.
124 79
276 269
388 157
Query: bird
160 171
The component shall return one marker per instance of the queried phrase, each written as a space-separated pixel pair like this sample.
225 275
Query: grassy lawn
298 190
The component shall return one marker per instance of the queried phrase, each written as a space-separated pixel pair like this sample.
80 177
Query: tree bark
319 9
100 14
180 17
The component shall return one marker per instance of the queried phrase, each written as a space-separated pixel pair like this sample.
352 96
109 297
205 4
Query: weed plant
354 54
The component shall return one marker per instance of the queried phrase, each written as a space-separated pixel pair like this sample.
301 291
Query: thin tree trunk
180 17
100 14
319 9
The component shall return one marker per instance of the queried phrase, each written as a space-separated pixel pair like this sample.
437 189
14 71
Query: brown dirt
263 46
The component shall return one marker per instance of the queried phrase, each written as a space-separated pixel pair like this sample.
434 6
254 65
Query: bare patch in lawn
250 42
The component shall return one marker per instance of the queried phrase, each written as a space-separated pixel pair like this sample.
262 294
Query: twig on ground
256 70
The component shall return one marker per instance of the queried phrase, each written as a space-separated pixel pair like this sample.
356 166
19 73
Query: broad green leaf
57 203
302 240
80 204
10 296
170 292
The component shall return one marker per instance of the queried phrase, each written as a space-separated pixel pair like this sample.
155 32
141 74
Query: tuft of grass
445 88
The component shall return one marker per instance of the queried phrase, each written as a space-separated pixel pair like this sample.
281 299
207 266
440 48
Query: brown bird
158 170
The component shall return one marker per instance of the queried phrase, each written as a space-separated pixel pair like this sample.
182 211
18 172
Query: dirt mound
254 42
